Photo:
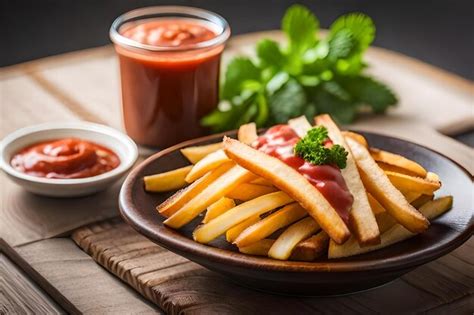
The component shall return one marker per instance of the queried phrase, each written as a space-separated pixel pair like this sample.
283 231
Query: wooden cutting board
179 286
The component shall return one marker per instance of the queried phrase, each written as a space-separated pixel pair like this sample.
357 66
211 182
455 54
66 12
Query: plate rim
178 243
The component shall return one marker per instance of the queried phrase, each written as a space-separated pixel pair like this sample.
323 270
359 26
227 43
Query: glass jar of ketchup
169 64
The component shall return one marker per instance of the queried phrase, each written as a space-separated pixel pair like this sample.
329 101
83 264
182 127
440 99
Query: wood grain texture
26 217
181 287
20 295
84 283
38 279
23 103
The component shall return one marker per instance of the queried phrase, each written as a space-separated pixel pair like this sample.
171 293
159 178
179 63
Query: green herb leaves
300 26
312 149
309 76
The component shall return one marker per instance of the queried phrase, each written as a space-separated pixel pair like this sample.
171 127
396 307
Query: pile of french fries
266 208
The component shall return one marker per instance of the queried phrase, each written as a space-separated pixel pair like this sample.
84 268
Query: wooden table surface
84 86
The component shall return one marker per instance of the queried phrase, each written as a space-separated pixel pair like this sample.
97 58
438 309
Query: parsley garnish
312 149
310 75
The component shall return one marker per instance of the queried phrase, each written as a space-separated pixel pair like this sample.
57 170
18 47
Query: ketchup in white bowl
65 158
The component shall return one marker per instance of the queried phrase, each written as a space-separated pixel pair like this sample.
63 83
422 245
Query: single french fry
385 221
392 168
262 181
379 186
397 233
208 163
291 182
195 154
418 202
259 248
247 133
356 137
181 197
232 233
434 208
398 161
412 183
294 234
167 181
362 218
257 206
265 227
432 177
410 196
217 189
375 205
300 125
218 208
247 191
311 248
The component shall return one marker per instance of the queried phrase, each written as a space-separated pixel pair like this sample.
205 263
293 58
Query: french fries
396 233
297 232
206 164
418 202
259 248
195 154
262 181
247 133
265 227
379 186
250 196
235 231
311 248
209 231
375 205
167 181
410 196
293 183
183 196
356 137
218 208
210 194
248 191
300 125
362 218
412 183
398 161
396 169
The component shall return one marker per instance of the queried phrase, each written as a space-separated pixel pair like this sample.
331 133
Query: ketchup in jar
169 64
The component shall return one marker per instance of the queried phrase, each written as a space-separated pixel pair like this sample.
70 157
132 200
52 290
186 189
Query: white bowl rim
124 165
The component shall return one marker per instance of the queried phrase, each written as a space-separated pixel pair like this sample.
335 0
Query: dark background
438 32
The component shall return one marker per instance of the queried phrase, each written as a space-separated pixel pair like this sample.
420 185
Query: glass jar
169 66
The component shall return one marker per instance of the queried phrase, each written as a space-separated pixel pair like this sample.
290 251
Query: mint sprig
313 150
308 76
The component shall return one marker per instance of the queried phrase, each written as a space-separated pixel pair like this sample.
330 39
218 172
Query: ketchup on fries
269 200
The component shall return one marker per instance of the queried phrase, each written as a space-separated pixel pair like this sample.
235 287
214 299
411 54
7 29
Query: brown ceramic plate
322 277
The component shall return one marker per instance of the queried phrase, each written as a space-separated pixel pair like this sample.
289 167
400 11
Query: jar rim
169 11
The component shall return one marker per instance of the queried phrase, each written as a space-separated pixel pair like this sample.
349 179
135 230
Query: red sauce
279 141
166 93
65 158
169 33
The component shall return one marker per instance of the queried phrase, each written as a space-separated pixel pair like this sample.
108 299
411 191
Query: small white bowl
118 142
